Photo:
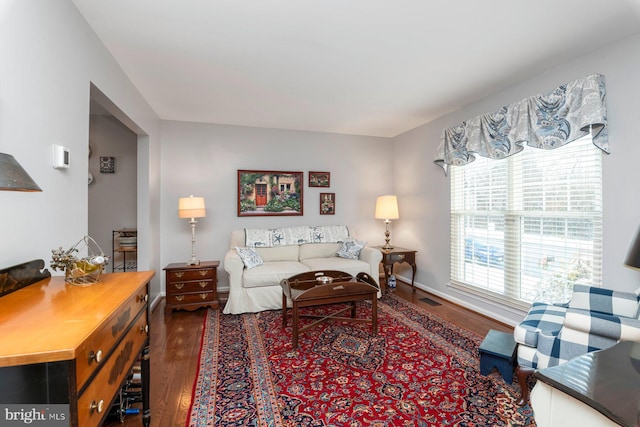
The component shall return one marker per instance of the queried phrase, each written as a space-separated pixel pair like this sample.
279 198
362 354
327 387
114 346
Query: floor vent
430 301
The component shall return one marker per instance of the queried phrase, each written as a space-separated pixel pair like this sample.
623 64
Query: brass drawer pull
203 272
204 296
179 274
179 285
97 407
97 356
179 297
202 284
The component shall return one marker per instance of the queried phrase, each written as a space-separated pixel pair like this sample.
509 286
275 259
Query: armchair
594 319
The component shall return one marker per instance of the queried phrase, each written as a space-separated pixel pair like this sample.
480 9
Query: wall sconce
192 207
13 177
387 209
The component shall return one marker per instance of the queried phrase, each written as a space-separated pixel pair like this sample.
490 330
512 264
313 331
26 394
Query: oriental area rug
420 370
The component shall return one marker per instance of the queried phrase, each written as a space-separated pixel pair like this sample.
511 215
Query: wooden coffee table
306 290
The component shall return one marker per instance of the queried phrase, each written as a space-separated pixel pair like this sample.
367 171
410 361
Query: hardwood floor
175 346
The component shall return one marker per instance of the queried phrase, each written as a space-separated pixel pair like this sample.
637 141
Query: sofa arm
373 257
235 267
615 328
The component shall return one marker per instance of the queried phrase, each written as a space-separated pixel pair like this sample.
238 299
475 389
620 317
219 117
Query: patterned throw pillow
250 258
351 249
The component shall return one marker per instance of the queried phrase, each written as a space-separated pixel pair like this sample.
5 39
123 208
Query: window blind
529 226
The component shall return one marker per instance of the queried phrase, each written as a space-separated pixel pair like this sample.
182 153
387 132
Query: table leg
374 314
413 276
284 310
294 332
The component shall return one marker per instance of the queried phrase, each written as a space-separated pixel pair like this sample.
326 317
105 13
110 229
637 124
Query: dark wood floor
175 345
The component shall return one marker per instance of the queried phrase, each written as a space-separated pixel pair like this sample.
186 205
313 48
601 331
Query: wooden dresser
190 287
75 345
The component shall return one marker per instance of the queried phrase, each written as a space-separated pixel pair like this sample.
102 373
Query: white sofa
258 288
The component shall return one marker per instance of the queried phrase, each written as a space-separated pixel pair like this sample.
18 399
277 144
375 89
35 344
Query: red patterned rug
419 371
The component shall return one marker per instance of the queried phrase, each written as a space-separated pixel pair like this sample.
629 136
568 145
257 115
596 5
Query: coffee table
312 289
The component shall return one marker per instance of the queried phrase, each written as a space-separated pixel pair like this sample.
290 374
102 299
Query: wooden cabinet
189 287
75 345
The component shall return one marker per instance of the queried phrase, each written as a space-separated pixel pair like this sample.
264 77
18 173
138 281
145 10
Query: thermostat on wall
60 157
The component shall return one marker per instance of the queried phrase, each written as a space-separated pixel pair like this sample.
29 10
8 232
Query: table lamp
387 209
192 207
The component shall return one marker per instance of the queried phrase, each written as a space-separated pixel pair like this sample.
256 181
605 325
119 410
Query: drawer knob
97 356
179 285
179 297
144 329
97 407
142 298
204 296
202 284
179 274
203 272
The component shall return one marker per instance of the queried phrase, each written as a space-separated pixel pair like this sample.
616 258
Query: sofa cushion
249 257
271 273
351 266
281 253
541 317
604 301
351 249
319 250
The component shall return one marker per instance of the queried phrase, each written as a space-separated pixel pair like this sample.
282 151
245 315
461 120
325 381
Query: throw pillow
351 249
250 257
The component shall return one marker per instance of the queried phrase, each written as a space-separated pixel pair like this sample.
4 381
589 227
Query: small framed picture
327 203
107 164
319 179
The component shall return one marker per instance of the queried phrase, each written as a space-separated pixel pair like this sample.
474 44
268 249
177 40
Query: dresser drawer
196 298
95 401
190 287
192 274
93 351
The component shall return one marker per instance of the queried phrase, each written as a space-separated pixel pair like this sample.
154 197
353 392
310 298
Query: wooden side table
190 287
397 255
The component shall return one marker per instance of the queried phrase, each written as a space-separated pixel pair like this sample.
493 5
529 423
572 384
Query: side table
397 255
190 287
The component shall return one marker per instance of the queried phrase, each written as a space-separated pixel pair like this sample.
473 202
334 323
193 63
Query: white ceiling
366 67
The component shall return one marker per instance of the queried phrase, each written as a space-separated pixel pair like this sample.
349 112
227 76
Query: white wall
49 58
112 196
424 190
203 160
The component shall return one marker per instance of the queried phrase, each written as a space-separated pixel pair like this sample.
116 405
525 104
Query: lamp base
387 247
193 262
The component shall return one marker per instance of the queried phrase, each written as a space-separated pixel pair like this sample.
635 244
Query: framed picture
327 203
107 164
319 179
269 193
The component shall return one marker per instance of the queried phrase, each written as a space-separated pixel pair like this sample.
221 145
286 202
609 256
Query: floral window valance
546 121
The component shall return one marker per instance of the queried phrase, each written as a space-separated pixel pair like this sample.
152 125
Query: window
529 226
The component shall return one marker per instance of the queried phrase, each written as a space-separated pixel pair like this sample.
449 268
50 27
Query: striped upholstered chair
594 319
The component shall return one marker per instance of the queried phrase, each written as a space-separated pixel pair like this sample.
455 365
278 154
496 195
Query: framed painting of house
269 193
319 179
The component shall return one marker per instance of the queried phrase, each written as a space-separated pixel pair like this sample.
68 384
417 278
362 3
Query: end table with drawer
397 255
190 287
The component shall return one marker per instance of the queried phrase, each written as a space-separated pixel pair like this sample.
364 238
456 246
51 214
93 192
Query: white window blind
528 227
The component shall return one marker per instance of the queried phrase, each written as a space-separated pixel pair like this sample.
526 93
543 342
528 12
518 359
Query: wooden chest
189 287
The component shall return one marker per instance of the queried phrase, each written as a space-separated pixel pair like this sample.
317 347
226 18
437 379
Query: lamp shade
191 207
633 256
387 207
13 177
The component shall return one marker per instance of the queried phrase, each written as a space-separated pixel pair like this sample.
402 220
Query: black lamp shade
633 256
13 177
